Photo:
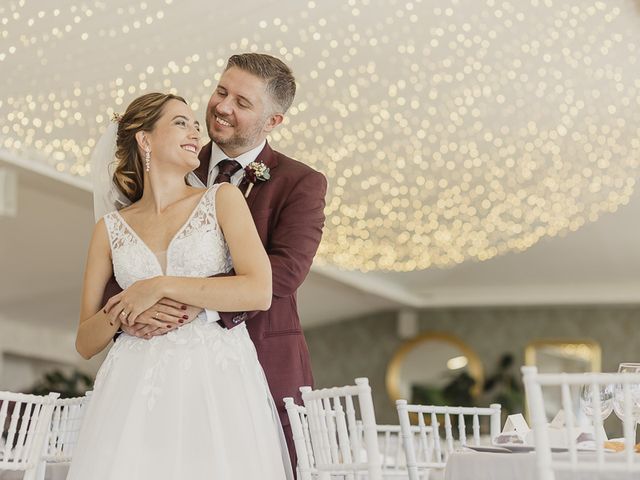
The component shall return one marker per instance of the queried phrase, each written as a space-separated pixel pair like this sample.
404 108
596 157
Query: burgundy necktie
226 169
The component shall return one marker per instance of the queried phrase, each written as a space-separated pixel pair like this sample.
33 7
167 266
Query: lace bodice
198 248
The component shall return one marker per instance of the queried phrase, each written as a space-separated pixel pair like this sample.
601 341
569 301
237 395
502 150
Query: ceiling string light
449 131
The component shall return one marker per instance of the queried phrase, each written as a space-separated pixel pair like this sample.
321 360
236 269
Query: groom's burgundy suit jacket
288 211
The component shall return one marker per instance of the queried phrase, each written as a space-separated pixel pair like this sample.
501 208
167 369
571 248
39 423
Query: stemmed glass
618 396
587 400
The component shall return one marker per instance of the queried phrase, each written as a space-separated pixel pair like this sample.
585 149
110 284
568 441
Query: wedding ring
155 315
123 314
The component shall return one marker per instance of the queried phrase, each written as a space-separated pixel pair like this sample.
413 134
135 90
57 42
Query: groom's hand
163 317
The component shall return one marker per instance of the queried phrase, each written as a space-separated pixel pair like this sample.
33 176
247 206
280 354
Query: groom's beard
240 139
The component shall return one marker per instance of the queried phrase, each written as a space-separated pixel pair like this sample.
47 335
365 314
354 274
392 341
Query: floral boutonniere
255 172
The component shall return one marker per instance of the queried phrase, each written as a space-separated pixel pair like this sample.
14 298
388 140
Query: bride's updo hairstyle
141 114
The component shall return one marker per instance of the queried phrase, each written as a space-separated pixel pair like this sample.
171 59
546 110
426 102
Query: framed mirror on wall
563 355
435 369
570 356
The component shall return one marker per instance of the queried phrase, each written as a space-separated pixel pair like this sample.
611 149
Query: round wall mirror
435 369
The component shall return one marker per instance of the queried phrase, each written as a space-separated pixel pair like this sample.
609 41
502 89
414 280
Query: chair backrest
338 448
301 439
24 423
389 441
65 428
392 449
598 460
435 444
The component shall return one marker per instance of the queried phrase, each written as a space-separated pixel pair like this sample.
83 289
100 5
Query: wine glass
587 400
618 395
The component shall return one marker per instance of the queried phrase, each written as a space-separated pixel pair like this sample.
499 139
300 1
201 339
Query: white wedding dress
192 404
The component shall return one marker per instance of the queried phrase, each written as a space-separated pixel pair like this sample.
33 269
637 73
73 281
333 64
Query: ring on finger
156 316
123 314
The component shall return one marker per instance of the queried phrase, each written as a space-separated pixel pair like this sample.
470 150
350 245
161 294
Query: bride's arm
95 330
249 289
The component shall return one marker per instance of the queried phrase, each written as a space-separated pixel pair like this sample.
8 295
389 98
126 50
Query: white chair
389 441
392 451
430 454
337 446
65 428
24 424
598 461
301 440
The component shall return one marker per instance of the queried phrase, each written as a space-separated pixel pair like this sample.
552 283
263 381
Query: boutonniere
255 172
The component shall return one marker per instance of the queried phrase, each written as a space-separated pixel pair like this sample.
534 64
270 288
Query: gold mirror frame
589 350
474 364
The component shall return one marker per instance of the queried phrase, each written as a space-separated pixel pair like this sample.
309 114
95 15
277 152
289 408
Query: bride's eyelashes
183 123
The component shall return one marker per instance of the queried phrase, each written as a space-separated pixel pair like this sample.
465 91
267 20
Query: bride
193 403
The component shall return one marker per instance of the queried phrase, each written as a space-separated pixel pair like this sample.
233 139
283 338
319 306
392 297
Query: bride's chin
194 164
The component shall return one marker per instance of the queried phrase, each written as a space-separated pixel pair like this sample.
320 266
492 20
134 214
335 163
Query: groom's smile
222 122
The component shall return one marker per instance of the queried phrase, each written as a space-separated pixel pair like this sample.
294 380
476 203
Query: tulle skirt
192 404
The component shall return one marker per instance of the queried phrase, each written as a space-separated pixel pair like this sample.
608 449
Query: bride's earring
147 159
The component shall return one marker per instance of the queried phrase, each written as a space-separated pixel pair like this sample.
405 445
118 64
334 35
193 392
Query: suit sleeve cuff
212 316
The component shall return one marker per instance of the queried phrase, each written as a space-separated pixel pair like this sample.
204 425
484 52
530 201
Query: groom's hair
281 84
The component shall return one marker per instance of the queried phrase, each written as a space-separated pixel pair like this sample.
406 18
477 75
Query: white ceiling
370 74
449 130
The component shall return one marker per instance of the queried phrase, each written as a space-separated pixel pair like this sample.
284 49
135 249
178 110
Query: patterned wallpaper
364 346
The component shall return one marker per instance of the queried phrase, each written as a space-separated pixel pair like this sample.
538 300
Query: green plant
505 387
74 384
502 386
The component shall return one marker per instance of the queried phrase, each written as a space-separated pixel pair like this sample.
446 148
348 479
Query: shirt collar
217 155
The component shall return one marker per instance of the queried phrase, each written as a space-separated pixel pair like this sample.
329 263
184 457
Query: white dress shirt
217 155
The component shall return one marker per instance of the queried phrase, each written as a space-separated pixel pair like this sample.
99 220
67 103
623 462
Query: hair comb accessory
116 117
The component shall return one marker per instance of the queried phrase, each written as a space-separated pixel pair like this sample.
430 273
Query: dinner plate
517 448
498 449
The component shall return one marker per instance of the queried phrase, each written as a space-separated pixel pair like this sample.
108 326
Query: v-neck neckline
173 238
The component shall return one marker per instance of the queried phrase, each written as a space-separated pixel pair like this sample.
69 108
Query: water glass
618 395
587 400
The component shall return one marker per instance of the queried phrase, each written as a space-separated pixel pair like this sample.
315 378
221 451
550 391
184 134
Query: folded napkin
514 432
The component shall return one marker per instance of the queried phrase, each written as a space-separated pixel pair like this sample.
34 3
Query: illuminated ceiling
449 131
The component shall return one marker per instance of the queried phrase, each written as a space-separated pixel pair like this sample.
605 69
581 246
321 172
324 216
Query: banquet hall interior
481 159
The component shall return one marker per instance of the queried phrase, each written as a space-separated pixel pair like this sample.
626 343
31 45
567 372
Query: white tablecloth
470 465
55 471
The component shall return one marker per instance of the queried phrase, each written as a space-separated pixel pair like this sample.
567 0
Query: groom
287 205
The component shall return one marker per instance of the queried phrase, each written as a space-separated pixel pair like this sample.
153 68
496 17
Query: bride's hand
130 303
164 316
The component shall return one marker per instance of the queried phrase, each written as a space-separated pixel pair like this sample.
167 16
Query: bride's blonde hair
141 114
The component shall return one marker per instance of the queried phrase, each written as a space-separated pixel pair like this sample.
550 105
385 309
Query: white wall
26 350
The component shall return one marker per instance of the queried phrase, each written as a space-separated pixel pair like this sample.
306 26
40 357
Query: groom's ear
273 121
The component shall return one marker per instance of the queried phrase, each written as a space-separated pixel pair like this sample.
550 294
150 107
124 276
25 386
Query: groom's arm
294 240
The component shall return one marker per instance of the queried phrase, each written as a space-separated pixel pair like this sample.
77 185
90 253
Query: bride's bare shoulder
227 189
